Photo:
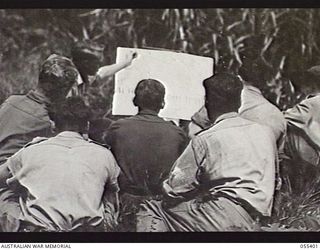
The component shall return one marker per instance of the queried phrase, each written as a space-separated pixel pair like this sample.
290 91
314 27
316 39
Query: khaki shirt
255 107
145 147
235 157
22 117
65 178
306 117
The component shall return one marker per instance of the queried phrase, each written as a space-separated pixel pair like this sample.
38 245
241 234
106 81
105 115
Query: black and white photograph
159 120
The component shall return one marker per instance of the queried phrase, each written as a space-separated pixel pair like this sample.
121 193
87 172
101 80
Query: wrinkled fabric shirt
145 147
235 157
64 178
306 117
255 107
22 117
298 147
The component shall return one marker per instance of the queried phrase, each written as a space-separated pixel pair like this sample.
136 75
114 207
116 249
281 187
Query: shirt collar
252 88
38 97
148 112
226 116
70 134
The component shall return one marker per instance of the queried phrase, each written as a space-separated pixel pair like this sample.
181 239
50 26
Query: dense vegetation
289 44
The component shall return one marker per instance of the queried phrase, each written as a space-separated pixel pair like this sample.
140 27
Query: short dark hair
149 94
57 75
224 89
255 71
72 113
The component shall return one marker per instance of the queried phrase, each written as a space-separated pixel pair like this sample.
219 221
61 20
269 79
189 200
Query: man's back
21 119
145 147
65 177
237 157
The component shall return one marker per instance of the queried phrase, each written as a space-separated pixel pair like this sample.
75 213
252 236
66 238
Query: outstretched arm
110 197
183 181
109 70
111 209
199 121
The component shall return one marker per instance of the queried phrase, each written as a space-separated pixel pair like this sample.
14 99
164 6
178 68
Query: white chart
181 74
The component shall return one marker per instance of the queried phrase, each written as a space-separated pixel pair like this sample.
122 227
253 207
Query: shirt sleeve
183 177
113 174
110 196
14 164
299 115
201 119
109 139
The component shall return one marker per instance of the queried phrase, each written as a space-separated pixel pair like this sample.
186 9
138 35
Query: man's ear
210 106
162 104
135 101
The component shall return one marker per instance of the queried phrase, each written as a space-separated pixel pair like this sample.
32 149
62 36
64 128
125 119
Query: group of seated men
147 176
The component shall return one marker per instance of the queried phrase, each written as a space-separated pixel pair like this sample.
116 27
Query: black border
159 4
212 237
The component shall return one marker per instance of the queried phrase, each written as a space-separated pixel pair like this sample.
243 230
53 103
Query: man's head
255 71
149 94
253 68
71 115
57 75
223 92
87 56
